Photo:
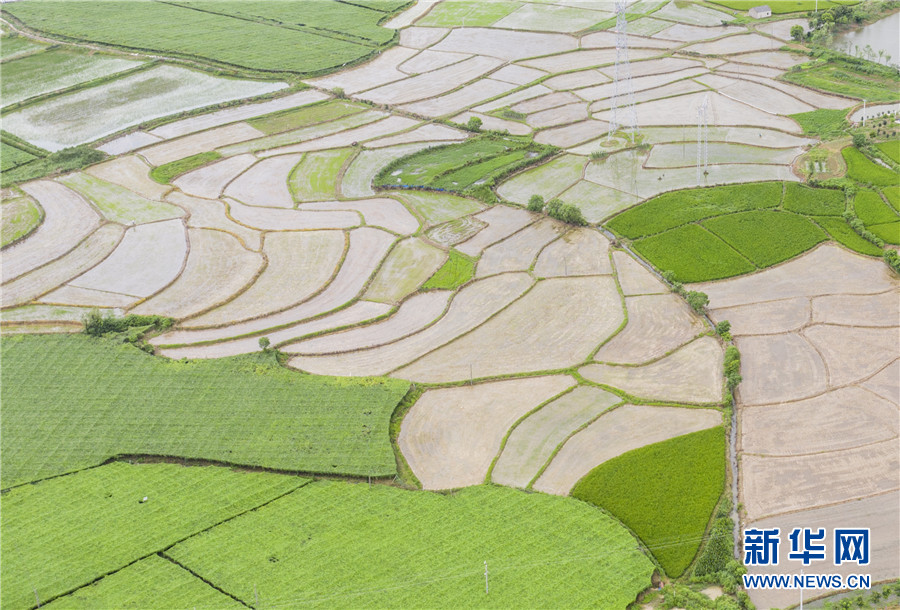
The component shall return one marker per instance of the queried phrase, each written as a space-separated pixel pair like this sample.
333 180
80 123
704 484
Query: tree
859 140
264 343
697 300
473 124
536 203
797 33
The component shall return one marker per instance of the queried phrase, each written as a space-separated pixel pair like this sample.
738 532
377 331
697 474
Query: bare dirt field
579 252
517 252
450 436
209 181
266 183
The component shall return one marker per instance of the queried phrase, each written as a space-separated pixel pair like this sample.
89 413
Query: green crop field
352 546
65 532
41 73
892 194
780 7
455 272
258 36
153 582
437 208
816 202
890 148
315 177
664 492
871 209
842 233
693 254
767 237
12 156
888 231
874 83
459 167
676 208
14 46
305 116
20 217
862 169
164 174
822 123
117 203
467 13
60 161
108 399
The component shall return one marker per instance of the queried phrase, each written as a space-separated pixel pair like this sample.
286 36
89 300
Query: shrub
338 92
892 258
536 203
859 140
554 206
732 367
473 124
264 343
723 329
96 324
697 300
797 33
719 548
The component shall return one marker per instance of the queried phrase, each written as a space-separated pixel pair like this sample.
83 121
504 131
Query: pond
881 36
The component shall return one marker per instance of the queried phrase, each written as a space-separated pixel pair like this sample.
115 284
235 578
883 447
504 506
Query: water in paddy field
881 35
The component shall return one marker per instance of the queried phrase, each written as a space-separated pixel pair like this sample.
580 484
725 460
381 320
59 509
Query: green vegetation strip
304 38
454 273
61 161
109 399
305 116
20 217
842 233
823 123
66 532
783 6
862 169
13 156
891 149
664 492
400 548
164 174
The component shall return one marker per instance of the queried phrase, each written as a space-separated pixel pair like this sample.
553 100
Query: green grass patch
108 399
781 7
153 582
676 208
401 548
822 123
117 203
892 194
871 209
767 237
693 254
816 202
20 217
64 160
848 76
888 231
664 492
467 13
299 37
164 174
66 532
455 272
842 233
13 156
315 177
890 149
438 208
304 116
463 167
862 169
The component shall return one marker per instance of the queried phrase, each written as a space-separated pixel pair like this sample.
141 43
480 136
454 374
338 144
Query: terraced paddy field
390 370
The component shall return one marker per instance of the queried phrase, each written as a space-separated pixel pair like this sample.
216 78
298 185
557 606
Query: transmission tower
622 79
702 139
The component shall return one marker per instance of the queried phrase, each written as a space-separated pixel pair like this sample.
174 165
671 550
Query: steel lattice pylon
702 139
622 79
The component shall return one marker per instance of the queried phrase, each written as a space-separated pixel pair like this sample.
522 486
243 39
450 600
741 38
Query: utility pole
702 139
864 113
622 76
486 580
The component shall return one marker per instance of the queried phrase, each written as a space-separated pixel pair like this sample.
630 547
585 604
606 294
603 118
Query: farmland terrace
376 287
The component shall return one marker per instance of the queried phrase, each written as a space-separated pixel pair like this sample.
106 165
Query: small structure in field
760 12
